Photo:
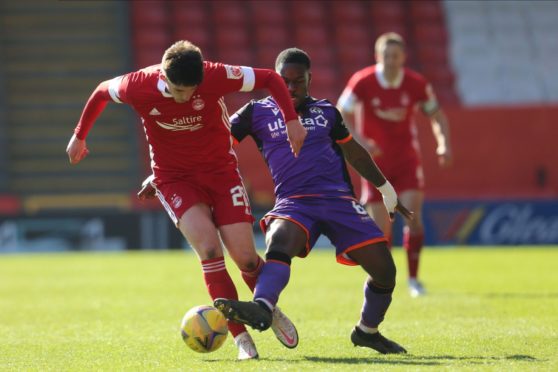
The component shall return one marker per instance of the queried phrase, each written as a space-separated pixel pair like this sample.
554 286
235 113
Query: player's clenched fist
147 190
76 150
296 134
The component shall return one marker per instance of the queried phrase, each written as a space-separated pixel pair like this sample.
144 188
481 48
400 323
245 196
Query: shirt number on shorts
359 208
239 196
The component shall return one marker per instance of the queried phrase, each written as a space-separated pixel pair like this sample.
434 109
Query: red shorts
224 193
406 176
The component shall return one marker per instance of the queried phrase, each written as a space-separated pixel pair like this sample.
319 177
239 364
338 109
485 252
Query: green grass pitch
487 309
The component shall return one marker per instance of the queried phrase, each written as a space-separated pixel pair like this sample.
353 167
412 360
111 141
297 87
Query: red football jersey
185 138
371 98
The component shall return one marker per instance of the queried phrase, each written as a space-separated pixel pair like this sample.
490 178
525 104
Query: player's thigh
286 237
413 200
377 261
196 224
238 239
378 212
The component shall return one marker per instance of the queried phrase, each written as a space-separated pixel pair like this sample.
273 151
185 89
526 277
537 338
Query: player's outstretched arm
363 163
77 147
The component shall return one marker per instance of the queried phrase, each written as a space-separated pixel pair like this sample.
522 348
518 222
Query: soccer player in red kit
379 101
195 169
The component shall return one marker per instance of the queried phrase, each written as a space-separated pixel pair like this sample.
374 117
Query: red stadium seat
267 35
267 56
197 35
269 13
189 14
147 56
311 35
438 74
308 12
430 33
351 55
387 11
231 37
348 12
446 95
320 54
324 81
149 13
432 54
230 13
426 11
354 35
236 56
151 37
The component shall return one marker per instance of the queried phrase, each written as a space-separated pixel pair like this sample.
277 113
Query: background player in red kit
195 169
380 101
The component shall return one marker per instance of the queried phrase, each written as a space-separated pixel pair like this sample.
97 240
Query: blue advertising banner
491 222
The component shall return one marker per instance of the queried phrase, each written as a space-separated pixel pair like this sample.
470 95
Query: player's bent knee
207 252
246 262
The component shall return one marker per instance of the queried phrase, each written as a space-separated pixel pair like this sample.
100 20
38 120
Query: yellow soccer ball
204 329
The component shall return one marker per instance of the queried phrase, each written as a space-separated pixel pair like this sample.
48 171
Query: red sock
413 246
220 284
251 277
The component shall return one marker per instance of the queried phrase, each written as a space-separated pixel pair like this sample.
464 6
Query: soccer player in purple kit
314 197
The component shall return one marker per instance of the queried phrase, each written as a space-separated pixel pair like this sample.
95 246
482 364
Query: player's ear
162 77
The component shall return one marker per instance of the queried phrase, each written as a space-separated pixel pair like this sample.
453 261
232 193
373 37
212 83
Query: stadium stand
55 55
253 32
503 52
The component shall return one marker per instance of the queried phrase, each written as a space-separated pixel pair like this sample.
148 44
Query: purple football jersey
320 167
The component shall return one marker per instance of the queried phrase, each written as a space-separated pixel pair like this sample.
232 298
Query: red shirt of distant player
370 97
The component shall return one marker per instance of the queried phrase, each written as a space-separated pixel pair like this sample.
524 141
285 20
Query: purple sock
376 303
272 280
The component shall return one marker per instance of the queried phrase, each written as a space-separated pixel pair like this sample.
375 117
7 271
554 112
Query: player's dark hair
293 55
183 64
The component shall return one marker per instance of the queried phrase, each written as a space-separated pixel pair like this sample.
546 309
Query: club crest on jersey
316 110
405 99
234 72
176 201
198 104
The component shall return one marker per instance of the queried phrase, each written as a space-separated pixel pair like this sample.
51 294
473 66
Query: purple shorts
342 219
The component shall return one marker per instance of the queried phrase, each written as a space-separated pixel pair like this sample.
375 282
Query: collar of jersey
382 80
162 86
